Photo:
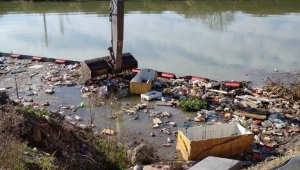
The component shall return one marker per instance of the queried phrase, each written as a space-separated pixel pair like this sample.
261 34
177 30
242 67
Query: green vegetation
114 151
193 104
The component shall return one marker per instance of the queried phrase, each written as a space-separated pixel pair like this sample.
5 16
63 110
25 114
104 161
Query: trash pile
60 74
119 86
272 112
12 65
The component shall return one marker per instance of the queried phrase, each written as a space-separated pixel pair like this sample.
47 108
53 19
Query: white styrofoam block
151 95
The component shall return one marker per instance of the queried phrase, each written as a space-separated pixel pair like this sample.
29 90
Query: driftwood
254 115
288 91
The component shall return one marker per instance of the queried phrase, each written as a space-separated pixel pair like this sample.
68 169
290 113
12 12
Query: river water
216 39
221 40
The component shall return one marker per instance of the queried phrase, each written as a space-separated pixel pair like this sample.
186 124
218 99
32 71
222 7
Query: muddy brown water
124 123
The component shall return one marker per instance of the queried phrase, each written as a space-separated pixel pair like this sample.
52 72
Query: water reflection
217 40
45 29
218 21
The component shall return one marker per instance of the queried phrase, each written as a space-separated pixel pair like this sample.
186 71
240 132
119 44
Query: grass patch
193 104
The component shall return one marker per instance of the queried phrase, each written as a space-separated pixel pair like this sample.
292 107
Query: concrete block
217 163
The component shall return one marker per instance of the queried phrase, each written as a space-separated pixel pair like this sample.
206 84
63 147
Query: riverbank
56 88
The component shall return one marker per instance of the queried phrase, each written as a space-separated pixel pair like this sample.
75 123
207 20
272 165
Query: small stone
64 153
47 117
27 104
137 167
49 91
30 94
64 107
35 149
188 119
29 100
169 140
152 134
78 118
57 83
45 104
54 111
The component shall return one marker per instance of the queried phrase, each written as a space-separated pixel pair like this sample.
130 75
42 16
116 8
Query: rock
86 95
68 118
190 163
45 104
57 83
27 104
82 126
157 120
108 132
55 79
2 89
35 149
267 123
64 153
54 111
141 154
72 107
83 146
167 145
198 119
89 154
166 114
47 117
30 94
173 124
29 100
78 118
135 117
53 72
175 133
137 167
152 134
49 91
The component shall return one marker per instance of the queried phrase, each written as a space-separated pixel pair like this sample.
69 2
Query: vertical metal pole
117 31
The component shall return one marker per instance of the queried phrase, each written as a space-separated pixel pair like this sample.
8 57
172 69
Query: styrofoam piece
151 95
